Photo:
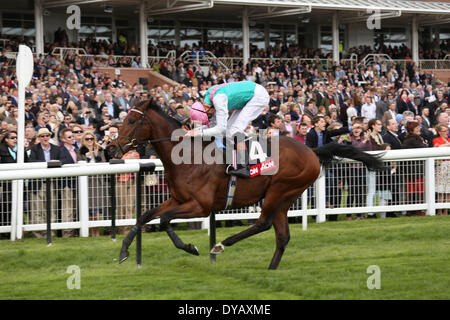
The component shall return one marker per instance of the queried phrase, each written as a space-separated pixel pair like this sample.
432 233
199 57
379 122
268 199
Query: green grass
329 261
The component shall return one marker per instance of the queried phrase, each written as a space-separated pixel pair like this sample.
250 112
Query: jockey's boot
242 167
242 171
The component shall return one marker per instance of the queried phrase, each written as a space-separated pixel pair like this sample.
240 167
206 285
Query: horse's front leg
190 209
146 217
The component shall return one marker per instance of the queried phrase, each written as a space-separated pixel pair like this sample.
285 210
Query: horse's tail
335 151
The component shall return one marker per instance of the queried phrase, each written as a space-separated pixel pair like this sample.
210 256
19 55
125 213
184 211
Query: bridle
134 143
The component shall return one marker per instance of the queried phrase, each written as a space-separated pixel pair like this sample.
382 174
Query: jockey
246 100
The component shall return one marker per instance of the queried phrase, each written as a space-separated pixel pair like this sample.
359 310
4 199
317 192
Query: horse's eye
131 121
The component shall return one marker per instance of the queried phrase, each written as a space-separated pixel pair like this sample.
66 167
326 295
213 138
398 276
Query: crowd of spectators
70 102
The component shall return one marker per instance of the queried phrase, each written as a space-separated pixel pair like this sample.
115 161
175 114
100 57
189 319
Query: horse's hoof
218 248
124 254
193 250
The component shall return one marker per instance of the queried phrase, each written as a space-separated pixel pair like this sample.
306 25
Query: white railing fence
81 194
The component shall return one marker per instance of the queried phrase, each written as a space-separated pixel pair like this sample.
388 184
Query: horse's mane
155 107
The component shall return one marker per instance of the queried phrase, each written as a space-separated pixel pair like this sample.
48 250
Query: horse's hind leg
264 223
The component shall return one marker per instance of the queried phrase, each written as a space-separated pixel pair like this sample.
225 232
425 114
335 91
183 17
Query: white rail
413 163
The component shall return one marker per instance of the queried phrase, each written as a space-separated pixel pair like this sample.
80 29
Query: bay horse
196 190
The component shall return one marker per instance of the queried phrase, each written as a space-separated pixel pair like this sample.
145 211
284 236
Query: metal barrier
84 196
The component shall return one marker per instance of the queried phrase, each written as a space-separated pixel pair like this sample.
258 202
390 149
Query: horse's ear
152 103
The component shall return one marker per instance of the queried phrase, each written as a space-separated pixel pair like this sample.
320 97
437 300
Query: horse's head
136 129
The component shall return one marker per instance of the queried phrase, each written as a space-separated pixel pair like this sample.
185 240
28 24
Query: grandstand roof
406 6
384 5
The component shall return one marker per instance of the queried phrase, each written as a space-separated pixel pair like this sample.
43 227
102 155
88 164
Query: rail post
48 194
212 235
321 196
83 203
112 194
143 167
430 187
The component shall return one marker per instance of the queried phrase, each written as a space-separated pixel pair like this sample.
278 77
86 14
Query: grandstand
332 29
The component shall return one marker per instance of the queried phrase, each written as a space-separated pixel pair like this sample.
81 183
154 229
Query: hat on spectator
179 106
43 131
172 101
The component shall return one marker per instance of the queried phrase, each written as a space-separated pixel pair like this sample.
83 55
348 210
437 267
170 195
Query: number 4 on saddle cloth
259 162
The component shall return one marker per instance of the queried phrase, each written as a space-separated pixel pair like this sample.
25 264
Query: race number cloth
262 167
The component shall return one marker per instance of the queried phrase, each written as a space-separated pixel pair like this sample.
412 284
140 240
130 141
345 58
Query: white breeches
239 119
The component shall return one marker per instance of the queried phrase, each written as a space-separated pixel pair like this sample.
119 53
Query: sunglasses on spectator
89 139
44 135
78 131
15 137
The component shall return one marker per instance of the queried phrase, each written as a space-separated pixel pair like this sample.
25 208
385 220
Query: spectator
295 113
389 114
275 122
113 108
426 123
68 185
318 136
384 182
444 119
181 115
302 131
355 173
391 136
8 154
289 126
43 151
414 181
126 194
351 112
87 118
368 109
77 135
92 152
442 176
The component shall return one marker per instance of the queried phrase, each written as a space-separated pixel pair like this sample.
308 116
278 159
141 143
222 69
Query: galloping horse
196 190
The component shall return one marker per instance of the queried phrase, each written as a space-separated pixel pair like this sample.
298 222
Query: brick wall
443 75
132 75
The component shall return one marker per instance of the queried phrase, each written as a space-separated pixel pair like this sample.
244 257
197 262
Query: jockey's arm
221 106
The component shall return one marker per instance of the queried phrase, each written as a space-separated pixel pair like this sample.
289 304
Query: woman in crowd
295 112
414 181
442 177
356 173
90 151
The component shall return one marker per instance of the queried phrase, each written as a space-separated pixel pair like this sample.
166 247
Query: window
389 37
98 28
17 24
